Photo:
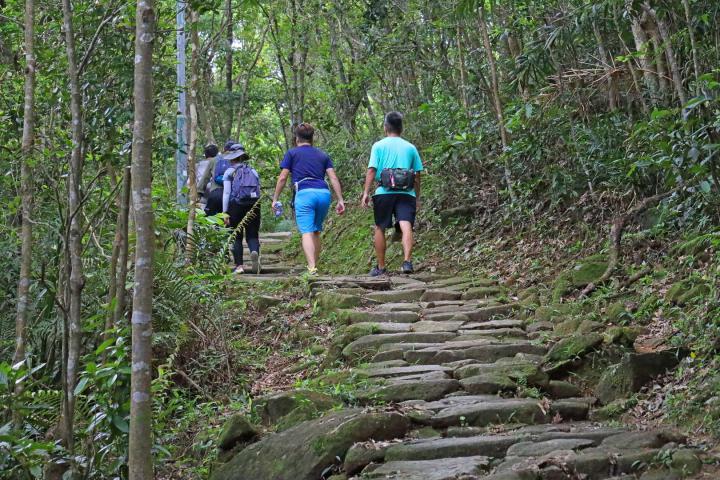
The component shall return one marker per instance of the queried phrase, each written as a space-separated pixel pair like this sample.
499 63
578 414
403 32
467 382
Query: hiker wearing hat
208 188
241 192
308 166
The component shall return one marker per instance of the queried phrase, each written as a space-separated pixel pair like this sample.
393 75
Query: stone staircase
451 385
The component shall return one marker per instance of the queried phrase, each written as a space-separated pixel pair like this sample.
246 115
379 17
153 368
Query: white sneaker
238 270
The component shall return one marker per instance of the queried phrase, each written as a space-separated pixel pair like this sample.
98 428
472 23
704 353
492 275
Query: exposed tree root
616 231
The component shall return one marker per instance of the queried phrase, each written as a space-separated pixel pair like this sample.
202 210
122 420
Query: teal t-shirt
394 152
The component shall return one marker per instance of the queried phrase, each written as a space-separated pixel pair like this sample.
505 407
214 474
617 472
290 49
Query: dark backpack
245 184
220 166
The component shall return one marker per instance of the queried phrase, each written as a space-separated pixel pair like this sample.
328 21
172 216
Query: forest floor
440 375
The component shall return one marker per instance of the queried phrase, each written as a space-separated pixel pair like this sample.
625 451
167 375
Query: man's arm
417 185
281 181
369 178
337 189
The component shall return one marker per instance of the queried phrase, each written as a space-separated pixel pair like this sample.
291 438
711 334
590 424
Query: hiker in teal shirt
395 161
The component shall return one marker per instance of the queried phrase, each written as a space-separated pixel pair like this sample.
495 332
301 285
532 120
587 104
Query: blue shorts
311 208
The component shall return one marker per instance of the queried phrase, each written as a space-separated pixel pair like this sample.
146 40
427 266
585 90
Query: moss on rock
584 272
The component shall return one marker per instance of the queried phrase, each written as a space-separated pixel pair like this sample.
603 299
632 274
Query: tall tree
26 186
73 248
192 143
140 462
497 101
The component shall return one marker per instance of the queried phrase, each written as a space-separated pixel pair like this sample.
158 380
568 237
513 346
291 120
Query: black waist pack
398 179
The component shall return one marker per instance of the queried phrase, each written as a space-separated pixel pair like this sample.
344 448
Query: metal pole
181 154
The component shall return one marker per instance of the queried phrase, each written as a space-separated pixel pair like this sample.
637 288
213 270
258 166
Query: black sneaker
377 271
407 267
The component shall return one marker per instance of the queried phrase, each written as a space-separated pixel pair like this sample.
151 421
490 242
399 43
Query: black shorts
399 205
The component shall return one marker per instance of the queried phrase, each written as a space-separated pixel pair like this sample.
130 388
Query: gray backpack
245 184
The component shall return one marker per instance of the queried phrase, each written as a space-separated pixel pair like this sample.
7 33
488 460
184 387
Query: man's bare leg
380 246
407 239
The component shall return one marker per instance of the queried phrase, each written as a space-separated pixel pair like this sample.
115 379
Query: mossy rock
273 408
305 451
622 335
613 409
570 348
633 371
687 290
585 272
553 312
346 335
236 430
616 312
567 327
329 301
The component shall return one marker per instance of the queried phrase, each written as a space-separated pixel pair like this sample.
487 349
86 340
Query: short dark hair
394 122
305 132
211 150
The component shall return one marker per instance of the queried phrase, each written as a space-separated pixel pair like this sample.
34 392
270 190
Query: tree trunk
497 102
74 236
140 461
229 67
192 148
606 59
463 68
118 277
659 54
670 53
26 188
641 45
693 45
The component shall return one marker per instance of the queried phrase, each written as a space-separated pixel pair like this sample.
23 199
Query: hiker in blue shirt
395 165
308 166
241 192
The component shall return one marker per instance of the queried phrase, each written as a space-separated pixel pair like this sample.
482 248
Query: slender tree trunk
192 148
118 276
26 188
659 54
124 226
140 461
606 59
74 233
693 45
641 46
670 53
463 68
497 102
229 67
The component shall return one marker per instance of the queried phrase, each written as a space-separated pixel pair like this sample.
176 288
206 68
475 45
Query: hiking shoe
255 261
377 271
312 272
238 270
407 267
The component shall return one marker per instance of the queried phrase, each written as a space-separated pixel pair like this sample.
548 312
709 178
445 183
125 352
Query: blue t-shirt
394 152
307 165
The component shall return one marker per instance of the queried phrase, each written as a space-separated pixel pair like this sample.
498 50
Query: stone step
403 370
512 410
370 343
358 316
482 314
485 353
399 307
397 296
442 469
